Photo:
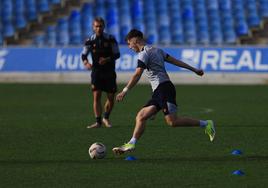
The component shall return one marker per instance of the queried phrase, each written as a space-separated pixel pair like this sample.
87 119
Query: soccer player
104 51
151 60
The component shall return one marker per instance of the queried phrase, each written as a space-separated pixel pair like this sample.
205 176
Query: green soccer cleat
124 148
210 130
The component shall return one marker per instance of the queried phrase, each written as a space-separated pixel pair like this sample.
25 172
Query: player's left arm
180 63
132 82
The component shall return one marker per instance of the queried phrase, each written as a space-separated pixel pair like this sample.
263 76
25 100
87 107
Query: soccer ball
97 151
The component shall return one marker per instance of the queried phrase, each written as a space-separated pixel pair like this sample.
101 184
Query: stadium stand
165 22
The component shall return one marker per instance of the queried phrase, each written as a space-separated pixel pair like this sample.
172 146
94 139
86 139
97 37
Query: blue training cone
238 173
236 152
130 158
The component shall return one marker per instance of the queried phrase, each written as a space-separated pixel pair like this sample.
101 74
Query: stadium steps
259 35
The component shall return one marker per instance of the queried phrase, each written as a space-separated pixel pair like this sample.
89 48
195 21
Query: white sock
203 123
132 140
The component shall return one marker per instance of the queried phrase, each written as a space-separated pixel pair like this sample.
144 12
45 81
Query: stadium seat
112 19
51 36
7 16
75 28
124 19
8 30
1 36
225 5
252 14
162 21
189 32
229 36
43 6
176 26
242 29
54 2
31 11
39 40
263 8
99 8
6 11
62 31
86 20
19 12
137 14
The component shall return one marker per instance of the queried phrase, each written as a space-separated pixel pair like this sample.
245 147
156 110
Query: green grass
44 142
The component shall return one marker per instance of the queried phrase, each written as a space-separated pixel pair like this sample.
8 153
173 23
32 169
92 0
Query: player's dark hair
134 33
99 20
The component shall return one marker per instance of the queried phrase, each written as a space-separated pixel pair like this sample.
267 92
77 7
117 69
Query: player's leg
174 121
108 107
97 108
110 87
169 107
143 115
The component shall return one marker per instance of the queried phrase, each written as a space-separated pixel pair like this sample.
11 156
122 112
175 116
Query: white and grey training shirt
152 59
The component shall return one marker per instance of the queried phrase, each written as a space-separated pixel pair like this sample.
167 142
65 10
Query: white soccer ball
97 151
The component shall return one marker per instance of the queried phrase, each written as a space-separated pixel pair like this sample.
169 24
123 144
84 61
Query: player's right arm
180 63
85 53
141 65
132 82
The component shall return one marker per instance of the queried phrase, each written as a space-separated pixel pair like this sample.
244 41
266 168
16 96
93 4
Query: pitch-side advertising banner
247 59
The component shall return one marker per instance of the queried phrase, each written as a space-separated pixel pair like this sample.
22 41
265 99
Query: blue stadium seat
263 8
202 34
225 5
229 36
99 8
54 2
112 19
62 31
176 26
189 32
51 36
1 36
151 36
43 6
212 5
8 29
151 32
137 14
252 14
19 12
6 11
215 32
39 40
7 16
241 29
124 19
31 11
162 21
164 35
86 20
75 28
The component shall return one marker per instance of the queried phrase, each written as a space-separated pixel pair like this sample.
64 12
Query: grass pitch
44 142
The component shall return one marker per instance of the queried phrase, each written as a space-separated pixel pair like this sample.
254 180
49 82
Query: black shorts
104 81
164 97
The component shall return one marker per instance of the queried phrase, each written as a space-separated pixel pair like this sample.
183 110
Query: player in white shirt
151 60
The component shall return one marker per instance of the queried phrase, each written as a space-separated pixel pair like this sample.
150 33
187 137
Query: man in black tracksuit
104 51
